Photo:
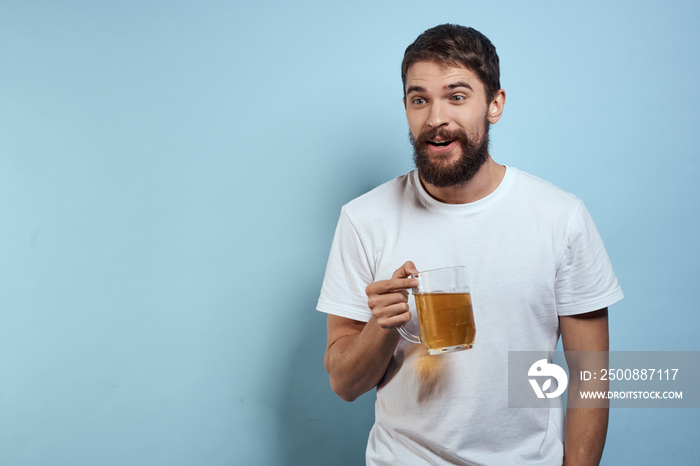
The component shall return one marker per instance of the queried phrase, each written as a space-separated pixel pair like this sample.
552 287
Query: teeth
440 143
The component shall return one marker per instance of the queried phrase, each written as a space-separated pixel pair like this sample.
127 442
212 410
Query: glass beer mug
444 311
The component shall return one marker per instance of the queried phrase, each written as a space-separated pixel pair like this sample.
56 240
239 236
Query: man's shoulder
542 190
385 197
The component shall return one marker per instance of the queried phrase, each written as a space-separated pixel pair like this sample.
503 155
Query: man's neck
481 185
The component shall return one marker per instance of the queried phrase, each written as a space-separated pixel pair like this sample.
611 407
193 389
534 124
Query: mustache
441 133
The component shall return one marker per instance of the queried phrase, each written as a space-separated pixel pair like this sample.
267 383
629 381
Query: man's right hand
388 299
358 353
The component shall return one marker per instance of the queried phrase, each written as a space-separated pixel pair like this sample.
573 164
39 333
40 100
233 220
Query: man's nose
437 116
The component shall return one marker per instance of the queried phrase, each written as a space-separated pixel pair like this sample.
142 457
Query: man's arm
358 353
585 428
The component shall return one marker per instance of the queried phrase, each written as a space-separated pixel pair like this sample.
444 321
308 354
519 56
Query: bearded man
537 269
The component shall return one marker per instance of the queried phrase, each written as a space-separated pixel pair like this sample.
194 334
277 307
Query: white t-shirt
533 254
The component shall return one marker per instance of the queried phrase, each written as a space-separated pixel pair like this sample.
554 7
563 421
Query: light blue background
171 173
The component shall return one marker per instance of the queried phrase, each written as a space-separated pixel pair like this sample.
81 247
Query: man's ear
496 106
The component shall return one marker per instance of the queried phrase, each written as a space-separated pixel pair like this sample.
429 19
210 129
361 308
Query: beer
446 321
444 306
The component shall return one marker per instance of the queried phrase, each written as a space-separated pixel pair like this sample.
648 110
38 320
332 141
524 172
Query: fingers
390 316
388 299
391 285
394 320
398 281
396 300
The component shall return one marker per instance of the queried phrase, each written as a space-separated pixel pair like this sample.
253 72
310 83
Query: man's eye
419 101
457 98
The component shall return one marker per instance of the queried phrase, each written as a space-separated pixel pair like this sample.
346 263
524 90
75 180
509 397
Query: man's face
448 117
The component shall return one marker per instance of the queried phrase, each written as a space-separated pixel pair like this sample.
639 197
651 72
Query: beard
474 156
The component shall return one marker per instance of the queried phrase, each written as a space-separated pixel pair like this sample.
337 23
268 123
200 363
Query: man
537 268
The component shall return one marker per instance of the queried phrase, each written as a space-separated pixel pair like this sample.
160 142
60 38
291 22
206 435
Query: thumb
405 270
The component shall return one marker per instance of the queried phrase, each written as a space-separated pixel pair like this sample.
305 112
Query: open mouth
441 143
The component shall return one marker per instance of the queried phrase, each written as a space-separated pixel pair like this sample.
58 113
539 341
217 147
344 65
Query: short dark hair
454 45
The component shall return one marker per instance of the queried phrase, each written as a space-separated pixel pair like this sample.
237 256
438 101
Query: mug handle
405 333
408 335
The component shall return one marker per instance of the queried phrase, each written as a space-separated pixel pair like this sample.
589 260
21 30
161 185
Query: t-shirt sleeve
348 273
585 280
